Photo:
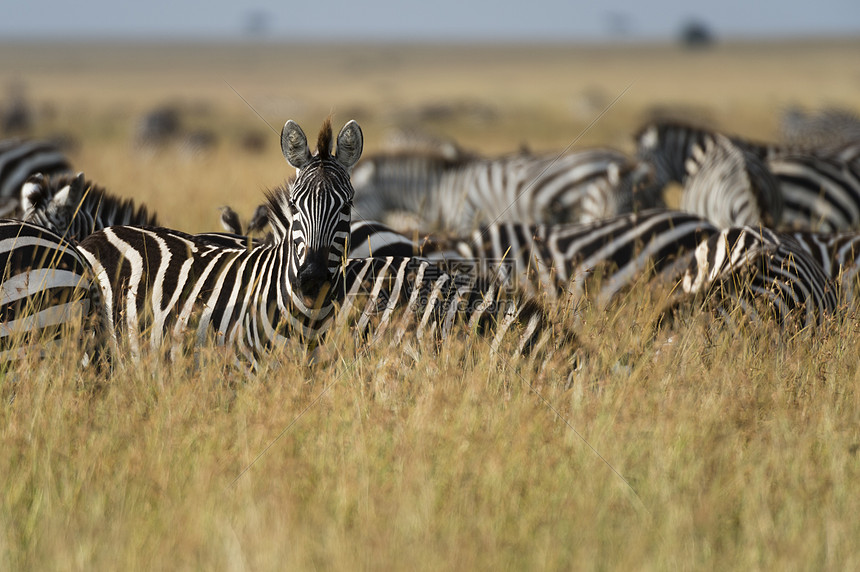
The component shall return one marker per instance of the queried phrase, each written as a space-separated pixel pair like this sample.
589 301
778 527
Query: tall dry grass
715 451
726 448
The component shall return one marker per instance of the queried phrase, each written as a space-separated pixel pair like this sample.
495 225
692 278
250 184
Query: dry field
726 449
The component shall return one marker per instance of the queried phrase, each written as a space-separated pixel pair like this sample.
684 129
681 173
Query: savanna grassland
723 449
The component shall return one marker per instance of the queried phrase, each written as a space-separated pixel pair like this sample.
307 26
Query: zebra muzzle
314 281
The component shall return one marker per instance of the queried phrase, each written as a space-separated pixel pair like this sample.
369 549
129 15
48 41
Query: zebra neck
295 315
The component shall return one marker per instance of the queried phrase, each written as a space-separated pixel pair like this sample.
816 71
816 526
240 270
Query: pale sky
456 20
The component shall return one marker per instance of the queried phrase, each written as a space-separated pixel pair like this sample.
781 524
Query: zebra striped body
163 282
730 186
820 188
676 246
839 256
820 192
75 208
458 194
559 259
760 269
428 297
46 287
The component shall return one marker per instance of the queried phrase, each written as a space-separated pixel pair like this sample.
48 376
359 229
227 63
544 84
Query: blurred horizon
383 21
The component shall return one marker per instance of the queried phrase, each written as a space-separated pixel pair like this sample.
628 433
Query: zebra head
53 203
315 213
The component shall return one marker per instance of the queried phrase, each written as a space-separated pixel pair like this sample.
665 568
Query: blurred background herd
179 107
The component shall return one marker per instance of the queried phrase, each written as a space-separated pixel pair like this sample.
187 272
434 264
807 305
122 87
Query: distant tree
696 34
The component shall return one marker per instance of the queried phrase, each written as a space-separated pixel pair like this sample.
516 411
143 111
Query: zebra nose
312 276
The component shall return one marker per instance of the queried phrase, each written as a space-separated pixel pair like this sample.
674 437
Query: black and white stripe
820 187
459 194
20 158
761 272
428 298
730 186
667 247
161 283
384 274
554 260
839 256
46 289
75 208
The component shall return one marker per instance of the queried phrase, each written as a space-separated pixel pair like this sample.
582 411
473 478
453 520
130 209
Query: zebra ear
71 195
33 193
350 142
649 138
77 189
294 145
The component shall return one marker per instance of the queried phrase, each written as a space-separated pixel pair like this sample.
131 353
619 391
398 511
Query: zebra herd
497 246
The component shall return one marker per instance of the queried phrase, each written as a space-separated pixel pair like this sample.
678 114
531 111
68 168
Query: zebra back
74 207
458 194
667 145
46 288
820 192
400 181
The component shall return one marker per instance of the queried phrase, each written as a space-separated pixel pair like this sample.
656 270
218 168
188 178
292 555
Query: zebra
161 283
678 248
457 194
45 289
820 187
755 268
730 186
839 256
20 158
75 207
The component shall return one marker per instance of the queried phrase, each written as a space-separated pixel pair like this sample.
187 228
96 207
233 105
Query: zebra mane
113 208
278 202
46 203
324 139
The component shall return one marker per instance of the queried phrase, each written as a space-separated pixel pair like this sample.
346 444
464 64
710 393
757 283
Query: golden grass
723 451
720 450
